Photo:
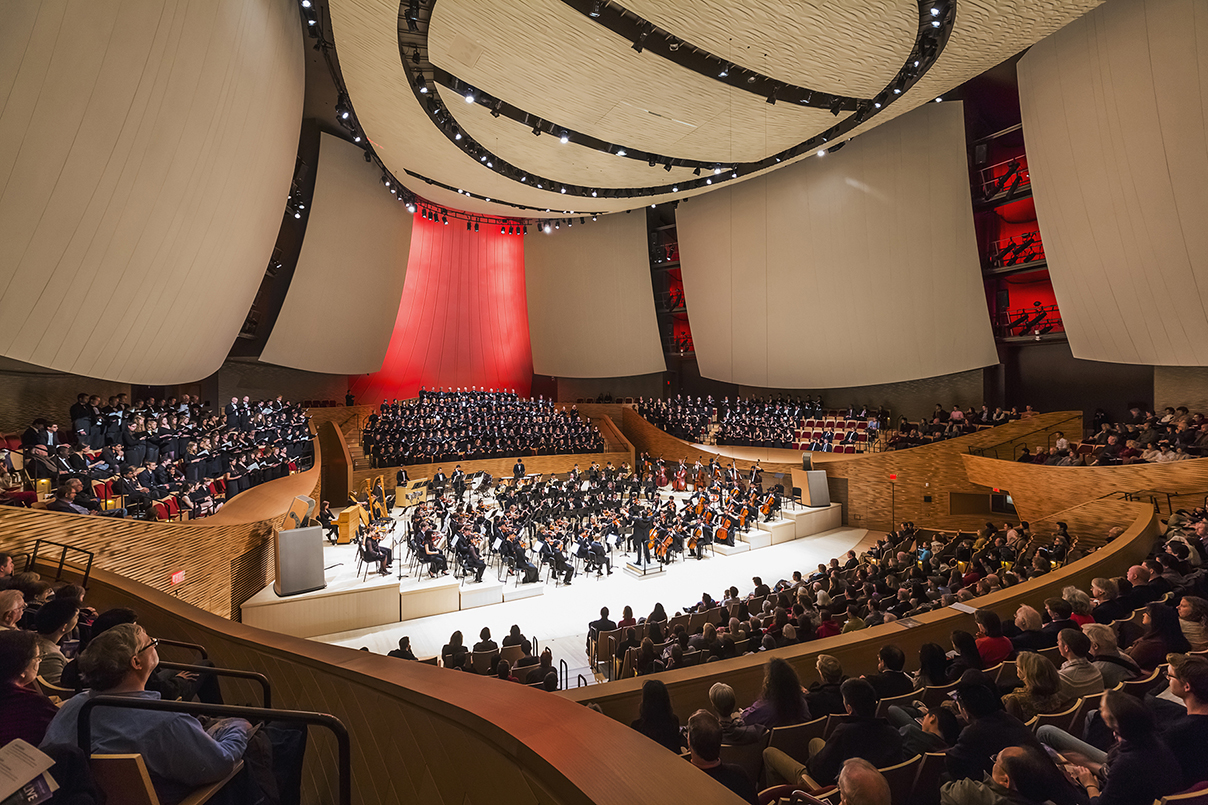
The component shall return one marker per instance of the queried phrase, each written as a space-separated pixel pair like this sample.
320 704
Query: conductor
640 539
518 470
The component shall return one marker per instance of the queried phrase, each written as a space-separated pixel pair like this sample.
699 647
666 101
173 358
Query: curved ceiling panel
820 45
984 34
608 89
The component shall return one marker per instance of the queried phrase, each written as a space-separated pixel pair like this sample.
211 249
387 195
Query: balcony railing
1034 322
1006 179
1017 250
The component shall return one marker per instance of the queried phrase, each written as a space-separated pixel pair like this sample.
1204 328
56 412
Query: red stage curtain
463 318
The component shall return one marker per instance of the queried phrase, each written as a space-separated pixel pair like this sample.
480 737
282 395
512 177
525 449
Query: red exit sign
893 477
178 577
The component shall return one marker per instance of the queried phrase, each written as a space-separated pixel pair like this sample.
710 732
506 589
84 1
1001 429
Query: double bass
681 479
661 480
700 481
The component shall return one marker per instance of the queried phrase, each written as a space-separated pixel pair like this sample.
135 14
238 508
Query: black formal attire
518 470
640 540
890 684
873 739
984 738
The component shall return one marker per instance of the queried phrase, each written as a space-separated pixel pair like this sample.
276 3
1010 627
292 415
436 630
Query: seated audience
704 743
55 621
1042 688
782 701
27 713
890 680
1162 636
733 729
1114 665
1188 735
1022 775
990 729
1193 620
991 644
180 754
824 697
1030 635
1079 676
656 720
1139 767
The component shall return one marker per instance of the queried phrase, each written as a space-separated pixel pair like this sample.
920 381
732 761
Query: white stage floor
558 618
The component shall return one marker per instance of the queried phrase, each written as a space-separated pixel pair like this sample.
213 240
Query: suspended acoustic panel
1113 115
591 309
146 152
462 321
855 268
343 299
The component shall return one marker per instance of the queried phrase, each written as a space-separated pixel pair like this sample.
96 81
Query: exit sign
178 577
893 477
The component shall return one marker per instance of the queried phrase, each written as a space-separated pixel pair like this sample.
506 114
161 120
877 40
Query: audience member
1042 688
990 729
656 720
704 743
1163 636
782 701
55 621
1079 677
1114 665
27 713
1188 735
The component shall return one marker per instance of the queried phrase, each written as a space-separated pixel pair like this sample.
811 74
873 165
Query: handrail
163 641
33 558
237 673
84 725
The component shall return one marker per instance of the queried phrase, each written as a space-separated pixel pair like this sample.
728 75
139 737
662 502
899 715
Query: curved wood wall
1040 490
226 558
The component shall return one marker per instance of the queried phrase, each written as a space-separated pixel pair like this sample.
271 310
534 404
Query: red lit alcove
463 317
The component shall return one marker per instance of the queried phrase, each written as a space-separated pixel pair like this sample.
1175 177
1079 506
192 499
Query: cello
766 508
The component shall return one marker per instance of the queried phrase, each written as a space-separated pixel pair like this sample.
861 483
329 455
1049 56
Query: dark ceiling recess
936 20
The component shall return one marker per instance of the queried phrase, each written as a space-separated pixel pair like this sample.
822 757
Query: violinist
599 556
373 551
437 564
467 554
512 547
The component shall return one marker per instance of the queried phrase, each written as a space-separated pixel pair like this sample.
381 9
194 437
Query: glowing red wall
463 318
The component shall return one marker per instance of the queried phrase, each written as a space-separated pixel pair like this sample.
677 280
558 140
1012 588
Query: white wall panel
146 150
856 268
590 304
344 296
1113 113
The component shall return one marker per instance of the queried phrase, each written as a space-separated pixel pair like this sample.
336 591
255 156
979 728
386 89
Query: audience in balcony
656 720
165 451
180 755
27 713
1162 636
467 424
705 735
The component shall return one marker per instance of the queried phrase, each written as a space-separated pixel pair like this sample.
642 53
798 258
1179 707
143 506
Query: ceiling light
725 70
876 104
897 90
305 3
708 181
546 228
620 152
564 138
356 138
935 23
935 12
595 9
410 208
593 194
310 22
716 169
937 100
563 188
675 189
734 175
469 96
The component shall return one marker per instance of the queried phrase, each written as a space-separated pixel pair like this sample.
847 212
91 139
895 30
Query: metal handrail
237 673
33 558
163 641
344 745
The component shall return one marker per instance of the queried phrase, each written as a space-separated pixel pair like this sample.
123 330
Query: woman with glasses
27 713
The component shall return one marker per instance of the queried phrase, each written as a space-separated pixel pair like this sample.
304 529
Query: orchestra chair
511 654
431 661
54 692
794 739
1139 687
125 779
602 649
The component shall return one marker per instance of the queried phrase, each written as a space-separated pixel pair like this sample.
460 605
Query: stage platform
345 603
810 521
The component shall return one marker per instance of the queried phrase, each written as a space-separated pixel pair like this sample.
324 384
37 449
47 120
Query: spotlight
772 96
725 70
526 229
342 109
415 57
547 229
467 224
570 221
564 138
708 181
620 152
421 84
411 208
469 96
305 3
356 138
734 175
593 194
475 226
938 100
444 220
935 23
386 180
822 152
716 169
836 106
563 188
876 104
641 40
509 230
557 224
310 22
675 189
297 215
652 162
935 12
456 133
502 230
537 129
667 166
593 218
595 9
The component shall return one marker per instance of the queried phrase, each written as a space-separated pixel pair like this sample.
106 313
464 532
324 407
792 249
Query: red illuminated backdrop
463 318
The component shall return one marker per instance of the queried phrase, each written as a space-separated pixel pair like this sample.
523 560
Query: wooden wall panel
224 557
1040 490
858 651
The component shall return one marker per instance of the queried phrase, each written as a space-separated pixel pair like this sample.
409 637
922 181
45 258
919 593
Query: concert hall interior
767 401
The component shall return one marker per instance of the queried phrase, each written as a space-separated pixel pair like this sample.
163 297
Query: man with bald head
1142 591
861 784
1022 775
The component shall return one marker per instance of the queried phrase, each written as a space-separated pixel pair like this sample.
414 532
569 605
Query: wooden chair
748 757
934 696
890 701
1088 704
54 691
794 739
430 661
1062 721
511 654
125 779
1139 687
926 789
901 779
832 721
1008 674
603 648
483 661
